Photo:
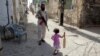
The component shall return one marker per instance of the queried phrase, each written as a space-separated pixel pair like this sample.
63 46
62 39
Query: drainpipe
4 27
7 4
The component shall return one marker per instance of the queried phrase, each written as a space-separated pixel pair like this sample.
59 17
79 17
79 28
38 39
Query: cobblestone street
79 42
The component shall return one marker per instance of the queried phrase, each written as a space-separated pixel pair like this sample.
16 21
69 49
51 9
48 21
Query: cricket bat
64 41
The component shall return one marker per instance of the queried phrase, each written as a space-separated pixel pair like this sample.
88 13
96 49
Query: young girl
56 40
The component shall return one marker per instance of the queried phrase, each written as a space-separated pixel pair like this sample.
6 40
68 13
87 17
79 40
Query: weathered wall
22 12
73 15
19 11
3 11
92 9
52 8
84 13
81 13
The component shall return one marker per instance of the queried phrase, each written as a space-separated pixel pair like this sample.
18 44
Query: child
56 40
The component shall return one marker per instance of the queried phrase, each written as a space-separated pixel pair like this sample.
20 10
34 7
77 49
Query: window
68 4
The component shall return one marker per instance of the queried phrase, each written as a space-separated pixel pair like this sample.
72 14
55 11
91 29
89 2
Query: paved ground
79 42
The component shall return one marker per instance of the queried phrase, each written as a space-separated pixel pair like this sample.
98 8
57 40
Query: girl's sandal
55 53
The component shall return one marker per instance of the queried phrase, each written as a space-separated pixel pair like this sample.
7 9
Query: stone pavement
79 42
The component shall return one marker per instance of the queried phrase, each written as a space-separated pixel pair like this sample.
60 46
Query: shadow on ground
90 37
93 29
29 47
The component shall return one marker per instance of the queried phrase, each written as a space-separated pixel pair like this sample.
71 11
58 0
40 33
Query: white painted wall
3 12
17 10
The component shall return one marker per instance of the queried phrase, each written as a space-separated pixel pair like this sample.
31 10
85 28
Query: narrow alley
77 20
78 42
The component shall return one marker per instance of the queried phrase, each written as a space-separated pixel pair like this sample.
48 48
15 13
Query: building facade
12 11
79 13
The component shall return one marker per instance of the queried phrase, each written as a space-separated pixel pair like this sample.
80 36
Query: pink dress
56 40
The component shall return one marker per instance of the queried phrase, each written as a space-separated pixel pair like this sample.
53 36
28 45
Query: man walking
42 23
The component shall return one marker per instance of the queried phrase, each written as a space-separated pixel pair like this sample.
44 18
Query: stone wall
73 15
19 11
52 8
82 12
93 13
